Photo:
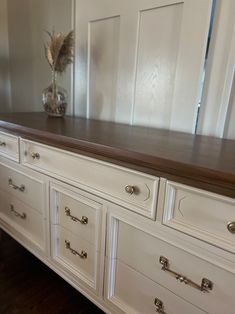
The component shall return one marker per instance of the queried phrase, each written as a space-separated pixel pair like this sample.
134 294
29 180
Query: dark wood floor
27 286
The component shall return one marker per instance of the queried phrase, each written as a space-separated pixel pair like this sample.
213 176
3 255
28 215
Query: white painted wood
10 146
229 127
34 188
158 44
103 60
83 268
134 293
106 179
5 82
219 72
62 197
134 60
141 251
199 213
32 227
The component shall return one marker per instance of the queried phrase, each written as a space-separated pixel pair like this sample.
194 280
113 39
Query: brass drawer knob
35 155
3 144
130 189
231 227
159 306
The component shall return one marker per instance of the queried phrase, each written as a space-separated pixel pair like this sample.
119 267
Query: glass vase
54 98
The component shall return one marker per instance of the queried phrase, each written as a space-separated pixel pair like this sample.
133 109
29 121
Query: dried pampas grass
59 50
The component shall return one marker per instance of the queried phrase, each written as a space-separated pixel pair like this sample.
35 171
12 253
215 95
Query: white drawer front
135 293
135 190
23 219
201 214
75 255
76 213
26 188
142 252
9 146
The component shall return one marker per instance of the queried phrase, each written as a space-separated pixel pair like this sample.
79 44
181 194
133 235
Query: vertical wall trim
72 72
219 74
135 69
88 70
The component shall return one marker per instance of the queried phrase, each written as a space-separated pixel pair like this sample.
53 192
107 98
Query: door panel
141 62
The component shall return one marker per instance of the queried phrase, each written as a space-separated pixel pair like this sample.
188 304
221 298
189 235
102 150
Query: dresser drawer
26 188
75 255
23 219
148 254
134 293
202 214
132 189
76 213
9 146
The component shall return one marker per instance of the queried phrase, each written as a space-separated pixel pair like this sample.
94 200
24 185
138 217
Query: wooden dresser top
201 161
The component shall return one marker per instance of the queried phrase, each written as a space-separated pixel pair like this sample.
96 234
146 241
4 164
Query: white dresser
130 240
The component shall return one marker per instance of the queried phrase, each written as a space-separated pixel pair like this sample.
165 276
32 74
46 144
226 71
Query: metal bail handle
83 220
82 254
159 306
205 286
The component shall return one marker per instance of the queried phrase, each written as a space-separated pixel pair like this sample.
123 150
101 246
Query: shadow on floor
27 286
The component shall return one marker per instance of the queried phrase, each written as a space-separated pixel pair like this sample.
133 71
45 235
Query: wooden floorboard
27 286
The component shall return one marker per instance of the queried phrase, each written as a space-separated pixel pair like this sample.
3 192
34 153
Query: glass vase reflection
54 100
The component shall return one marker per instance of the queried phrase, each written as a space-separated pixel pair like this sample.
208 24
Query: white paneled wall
30 74
141 62
5 85
136 61
217 113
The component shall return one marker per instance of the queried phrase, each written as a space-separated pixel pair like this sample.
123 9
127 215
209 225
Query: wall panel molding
215 111
134 60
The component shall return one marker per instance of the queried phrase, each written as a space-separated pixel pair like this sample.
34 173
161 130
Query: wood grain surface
27 286
201 161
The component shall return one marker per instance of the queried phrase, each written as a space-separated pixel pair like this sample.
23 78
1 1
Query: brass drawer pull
231 226
130 189
3 144
21 188
35 155
82 254
205 286
159 306
83 220
17 214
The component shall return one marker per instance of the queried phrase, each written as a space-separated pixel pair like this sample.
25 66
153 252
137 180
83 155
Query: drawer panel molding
24 220
132 189
192 278
76 256
76 213
134 293
9 146
29 189
201 214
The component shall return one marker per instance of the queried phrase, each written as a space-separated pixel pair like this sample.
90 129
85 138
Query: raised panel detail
142 61
103 45
201 214
159 34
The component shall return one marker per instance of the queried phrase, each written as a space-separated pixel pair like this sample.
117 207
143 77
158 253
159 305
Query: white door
141 61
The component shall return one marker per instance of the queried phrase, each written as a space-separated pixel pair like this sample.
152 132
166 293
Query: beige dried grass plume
59 50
